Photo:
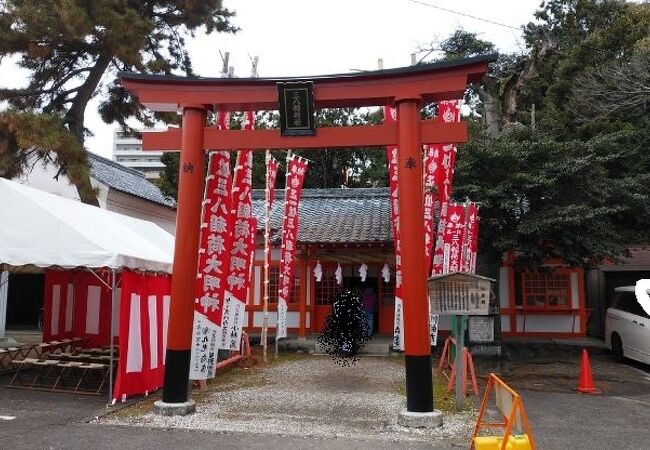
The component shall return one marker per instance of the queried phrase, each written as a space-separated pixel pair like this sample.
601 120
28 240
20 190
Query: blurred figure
369 303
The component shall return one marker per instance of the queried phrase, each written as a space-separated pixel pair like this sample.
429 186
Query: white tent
46 230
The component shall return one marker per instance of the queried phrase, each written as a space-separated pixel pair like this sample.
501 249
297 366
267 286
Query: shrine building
350 227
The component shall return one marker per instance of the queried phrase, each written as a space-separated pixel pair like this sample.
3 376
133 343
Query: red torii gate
406 88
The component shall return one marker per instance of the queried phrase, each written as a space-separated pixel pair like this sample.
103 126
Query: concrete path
560 418
85 436
31 420
574 421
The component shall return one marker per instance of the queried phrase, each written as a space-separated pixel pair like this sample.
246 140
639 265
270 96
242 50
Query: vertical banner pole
110 366
267 251
4 291
417 343
277 351
186 252
458 361
460 325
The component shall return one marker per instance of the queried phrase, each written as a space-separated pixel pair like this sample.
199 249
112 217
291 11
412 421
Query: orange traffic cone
586 383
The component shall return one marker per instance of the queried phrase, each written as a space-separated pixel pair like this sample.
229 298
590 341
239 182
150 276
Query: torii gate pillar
191 179
417 345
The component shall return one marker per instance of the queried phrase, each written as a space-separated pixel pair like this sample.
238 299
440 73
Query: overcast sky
316 37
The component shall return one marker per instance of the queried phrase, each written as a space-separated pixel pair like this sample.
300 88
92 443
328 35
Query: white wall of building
42 178
537 323
139 208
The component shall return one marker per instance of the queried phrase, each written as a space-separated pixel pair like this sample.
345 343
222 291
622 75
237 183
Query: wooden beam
428 82
432 132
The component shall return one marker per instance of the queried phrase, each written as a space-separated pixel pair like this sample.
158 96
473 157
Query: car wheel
617 347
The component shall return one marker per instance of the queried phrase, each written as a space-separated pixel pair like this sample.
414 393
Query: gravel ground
311 396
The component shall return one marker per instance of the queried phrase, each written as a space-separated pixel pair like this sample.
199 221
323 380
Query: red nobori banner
449 111
212 267
453 238
444 161
390 116
470 244
398 324
271 175
430 198
222 121
240 260
252 247
436 267
296 170
444 157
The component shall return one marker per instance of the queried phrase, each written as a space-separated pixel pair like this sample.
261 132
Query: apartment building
127 150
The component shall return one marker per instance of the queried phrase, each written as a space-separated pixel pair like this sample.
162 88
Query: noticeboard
460 294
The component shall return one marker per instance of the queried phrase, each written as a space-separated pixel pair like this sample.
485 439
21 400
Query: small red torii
406 88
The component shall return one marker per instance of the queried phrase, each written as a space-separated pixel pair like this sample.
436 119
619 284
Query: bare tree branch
615 89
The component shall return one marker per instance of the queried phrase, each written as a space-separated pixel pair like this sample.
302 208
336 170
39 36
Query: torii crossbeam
406 88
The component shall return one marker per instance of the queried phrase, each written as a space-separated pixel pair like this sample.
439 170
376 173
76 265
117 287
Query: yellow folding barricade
517 434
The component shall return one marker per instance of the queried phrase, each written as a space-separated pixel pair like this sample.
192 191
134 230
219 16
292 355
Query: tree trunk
515 85
78 169
489 95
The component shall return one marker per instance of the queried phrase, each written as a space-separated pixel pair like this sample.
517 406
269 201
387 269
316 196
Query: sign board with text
460 293
297 108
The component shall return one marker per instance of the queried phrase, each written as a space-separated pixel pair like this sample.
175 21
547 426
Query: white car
627 327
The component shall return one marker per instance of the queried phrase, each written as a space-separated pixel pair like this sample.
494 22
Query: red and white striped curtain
77 304
58 305
144 320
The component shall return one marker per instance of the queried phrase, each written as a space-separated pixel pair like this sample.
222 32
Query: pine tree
72 50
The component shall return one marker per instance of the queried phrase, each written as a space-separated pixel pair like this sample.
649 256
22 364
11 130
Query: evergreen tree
577 185
72 50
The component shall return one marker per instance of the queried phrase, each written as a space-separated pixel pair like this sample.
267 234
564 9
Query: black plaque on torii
297 108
